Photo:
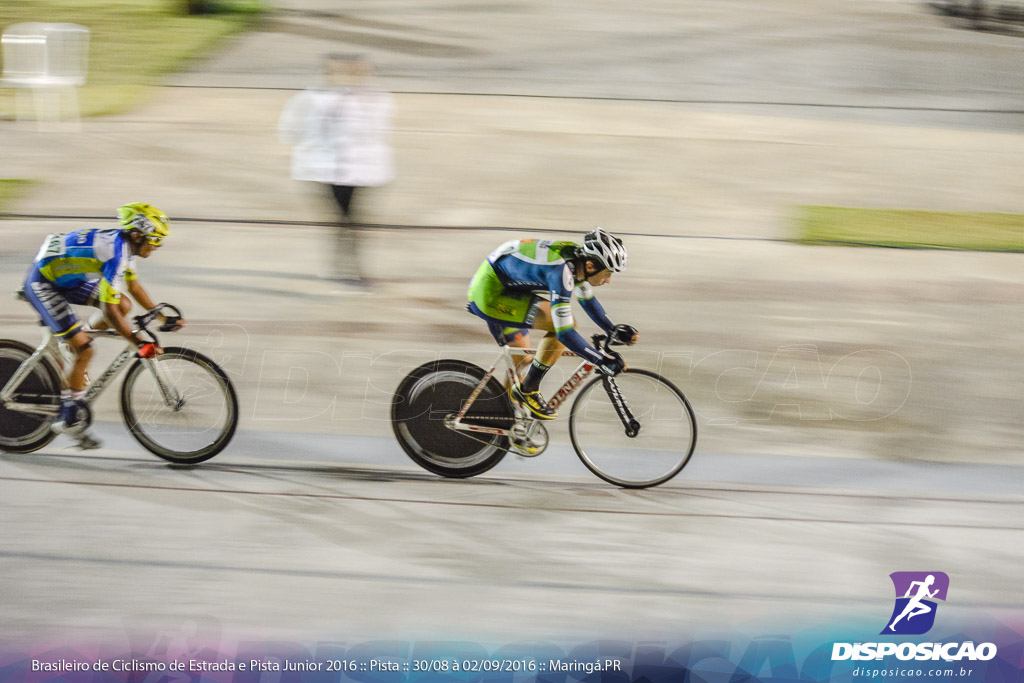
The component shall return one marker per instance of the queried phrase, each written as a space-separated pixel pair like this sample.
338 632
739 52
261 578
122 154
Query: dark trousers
347 236
343 196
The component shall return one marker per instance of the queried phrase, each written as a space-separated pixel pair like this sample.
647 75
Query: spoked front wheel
180 406
635 430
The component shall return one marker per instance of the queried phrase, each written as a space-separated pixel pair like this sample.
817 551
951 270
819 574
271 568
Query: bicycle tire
437 389
23 432
143 426
608 423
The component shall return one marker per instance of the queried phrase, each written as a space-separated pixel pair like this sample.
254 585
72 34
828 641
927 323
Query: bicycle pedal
87 442
529 440
525 451
72 430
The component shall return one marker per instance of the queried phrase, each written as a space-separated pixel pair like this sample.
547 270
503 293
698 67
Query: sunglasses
155 240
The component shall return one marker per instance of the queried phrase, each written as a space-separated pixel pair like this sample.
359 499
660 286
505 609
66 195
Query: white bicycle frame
51 347
583 371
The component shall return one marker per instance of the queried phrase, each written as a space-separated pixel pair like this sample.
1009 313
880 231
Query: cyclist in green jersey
509 289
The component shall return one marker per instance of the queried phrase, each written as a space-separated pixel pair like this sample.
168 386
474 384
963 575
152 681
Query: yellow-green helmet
146 219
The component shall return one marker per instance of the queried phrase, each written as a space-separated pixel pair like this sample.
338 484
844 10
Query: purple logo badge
916 593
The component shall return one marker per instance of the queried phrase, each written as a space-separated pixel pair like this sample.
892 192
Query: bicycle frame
51 346
583 371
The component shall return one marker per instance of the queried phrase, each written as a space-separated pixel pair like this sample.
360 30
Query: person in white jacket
339 138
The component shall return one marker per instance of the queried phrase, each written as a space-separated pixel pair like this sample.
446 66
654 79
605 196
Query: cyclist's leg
530 368
77 378
548 351
507 313
83 294
519 338
510 334
489 300
52 305
73 420
55 311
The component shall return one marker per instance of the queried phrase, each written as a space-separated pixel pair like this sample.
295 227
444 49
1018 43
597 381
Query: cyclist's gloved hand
612 365
624 334
172 323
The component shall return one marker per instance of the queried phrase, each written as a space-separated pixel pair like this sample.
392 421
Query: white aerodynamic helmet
606 248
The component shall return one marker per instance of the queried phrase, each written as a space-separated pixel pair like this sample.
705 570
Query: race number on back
52 246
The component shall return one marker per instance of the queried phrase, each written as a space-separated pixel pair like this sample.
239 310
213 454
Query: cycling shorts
53 303
509 315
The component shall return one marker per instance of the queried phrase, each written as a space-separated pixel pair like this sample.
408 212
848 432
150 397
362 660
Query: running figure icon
915 607
916 593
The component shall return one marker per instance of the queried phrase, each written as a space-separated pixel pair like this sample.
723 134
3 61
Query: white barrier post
50 60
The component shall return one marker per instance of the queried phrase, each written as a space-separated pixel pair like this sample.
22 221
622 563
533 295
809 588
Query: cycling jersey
83 267
86 255
504 286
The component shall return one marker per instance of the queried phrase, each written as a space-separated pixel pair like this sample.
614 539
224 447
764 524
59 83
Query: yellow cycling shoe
534 401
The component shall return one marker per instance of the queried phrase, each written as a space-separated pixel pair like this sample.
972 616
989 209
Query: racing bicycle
456 419
180 406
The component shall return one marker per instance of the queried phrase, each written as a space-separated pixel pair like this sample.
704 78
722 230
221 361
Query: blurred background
821 201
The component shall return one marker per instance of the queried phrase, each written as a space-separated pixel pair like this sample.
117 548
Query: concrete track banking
392 549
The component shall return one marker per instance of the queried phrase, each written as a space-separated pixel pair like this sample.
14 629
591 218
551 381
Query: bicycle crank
83 422
529 439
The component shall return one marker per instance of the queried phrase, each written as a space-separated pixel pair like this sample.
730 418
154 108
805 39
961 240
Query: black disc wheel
424 405
22 432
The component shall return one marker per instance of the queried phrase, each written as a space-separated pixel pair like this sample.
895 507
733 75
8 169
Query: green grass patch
839 225
132 42
11 189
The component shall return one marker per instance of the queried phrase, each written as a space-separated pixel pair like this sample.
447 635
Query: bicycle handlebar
169 325
603 342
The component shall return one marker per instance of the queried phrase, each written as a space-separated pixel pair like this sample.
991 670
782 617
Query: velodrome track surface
293 536
313 521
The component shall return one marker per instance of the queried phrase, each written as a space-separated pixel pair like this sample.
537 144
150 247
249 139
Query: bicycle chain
488 443
511 450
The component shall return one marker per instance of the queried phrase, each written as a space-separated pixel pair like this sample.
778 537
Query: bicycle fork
629 422
169 393
167 389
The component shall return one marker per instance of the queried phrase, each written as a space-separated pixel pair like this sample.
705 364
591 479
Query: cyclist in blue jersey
94 268
508 292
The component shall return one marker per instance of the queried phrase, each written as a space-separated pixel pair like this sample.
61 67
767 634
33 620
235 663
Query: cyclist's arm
593 308
110 300
575 342
561 316
138 292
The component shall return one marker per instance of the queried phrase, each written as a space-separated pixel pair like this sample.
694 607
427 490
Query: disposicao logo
916 593
912 615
